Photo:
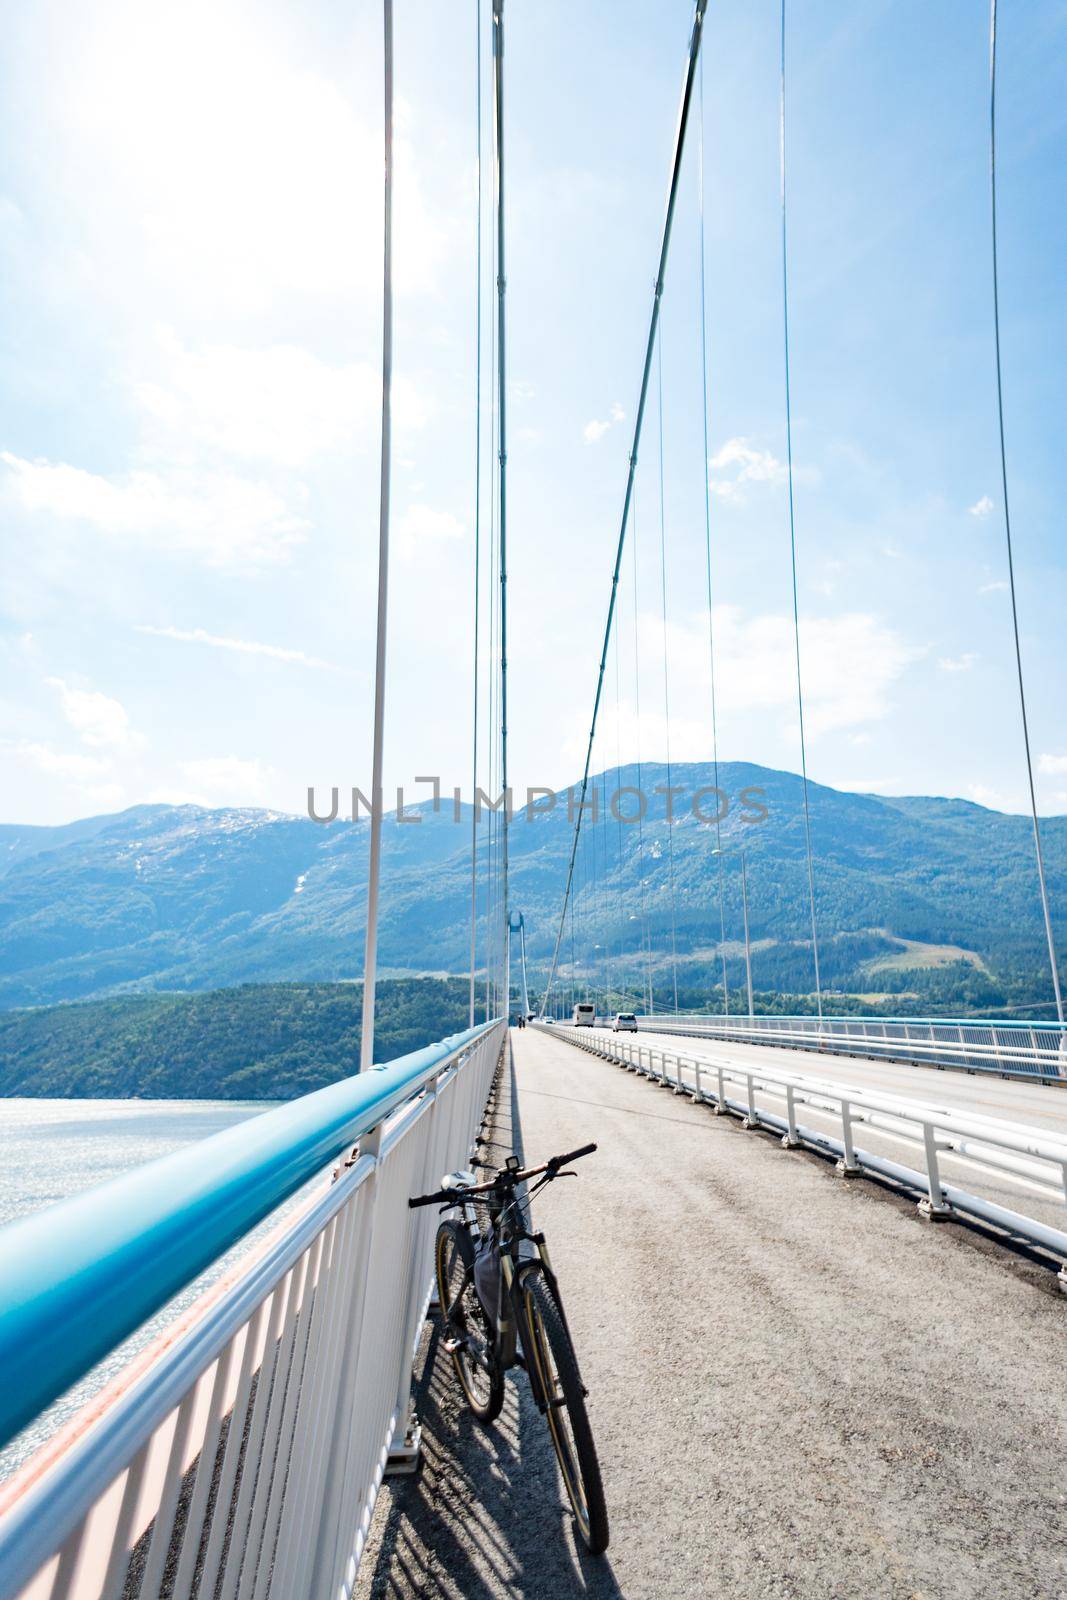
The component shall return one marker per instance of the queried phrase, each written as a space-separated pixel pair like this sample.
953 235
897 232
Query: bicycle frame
507 1324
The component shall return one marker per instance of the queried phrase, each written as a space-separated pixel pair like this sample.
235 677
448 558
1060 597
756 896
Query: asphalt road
798 1387
1042 1107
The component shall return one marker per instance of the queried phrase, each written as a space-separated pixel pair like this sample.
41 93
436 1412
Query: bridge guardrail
246 1459
1011 1049
1016 1153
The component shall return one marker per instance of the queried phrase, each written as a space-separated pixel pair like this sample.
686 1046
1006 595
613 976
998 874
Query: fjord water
50 1149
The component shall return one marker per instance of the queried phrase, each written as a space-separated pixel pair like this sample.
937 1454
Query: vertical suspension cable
623 982
1046 912
618 804
666 675
370 956
605 915
707 552
490 880
477 498
645 928
793 541
501 287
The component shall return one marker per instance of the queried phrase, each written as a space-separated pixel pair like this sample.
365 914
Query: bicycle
502 1308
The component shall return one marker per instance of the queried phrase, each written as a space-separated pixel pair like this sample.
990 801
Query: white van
584 1016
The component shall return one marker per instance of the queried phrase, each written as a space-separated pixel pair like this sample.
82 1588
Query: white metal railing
245 1462
1014 1049
1020 1156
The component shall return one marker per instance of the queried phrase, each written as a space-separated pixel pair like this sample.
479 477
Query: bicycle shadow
485 1516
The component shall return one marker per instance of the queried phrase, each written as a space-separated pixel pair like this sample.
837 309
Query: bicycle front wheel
553 1368
466 1325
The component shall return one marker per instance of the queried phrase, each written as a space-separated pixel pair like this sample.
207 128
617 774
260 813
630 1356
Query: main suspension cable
1007 516
679 146
793 544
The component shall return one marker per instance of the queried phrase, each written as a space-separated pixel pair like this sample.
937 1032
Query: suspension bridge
799 1384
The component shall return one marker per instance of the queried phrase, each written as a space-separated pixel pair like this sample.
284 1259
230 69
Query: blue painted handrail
79 1277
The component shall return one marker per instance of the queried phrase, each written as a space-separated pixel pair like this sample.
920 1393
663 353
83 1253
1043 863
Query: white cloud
1054 766
997 587
280 404
226 520
421 528
992 799
98 720
981 508
850 665
595 430
250 647
221 780
103 797
866 785
69 765
739 462
962 663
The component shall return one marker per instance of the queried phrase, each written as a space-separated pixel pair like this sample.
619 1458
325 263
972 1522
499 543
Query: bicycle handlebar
572 1155
505 1175
442 1197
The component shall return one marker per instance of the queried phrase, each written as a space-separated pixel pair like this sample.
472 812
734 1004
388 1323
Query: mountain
923 897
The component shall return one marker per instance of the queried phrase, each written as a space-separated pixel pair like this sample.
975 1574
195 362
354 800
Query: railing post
406 1448
720 1108
934 1207
698 1093
847 1165
790 1139
752 1120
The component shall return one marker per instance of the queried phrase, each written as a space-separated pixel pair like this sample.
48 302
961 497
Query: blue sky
190 233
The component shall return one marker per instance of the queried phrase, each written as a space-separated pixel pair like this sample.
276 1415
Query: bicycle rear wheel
466 1325
553 1368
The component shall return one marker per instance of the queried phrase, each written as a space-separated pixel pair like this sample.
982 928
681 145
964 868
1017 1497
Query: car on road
625 1022
584 1015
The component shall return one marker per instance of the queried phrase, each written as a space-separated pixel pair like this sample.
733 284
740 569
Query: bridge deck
798 1387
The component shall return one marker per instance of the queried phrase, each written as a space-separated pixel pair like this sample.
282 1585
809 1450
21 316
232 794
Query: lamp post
748 943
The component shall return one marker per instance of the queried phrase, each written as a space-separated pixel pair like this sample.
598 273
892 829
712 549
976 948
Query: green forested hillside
255 1042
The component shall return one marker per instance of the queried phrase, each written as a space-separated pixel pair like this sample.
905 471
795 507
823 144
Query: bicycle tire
463 1318
553 1368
